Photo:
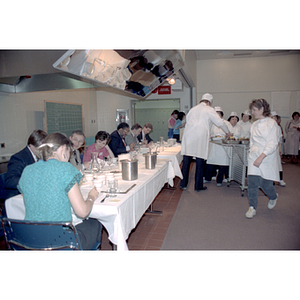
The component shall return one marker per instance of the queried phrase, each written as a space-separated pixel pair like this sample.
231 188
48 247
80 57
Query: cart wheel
242 193
228 184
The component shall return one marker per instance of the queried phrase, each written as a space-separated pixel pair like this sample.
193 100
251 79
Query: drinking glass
112 185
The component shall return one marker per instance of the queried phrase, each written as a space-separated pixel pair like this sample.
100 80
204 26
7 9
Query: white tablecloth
119 215
174 154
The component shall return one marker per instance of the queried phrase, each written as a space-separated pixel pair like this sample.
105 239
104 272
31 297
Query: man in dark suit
117 139
20 160
144 136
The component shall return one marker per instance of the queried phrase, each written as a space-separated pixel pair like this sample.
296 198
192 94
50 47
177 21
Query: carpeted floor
215 219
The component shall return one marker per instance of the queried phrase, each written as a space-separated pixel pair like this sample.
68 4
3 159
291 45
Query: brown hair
102 136
259 103
148 125
51 143
136 126
36 138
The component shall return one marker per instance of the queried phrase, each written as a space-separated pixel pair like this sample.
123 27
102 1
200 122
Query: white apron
219 154
264 139
245 129
291 146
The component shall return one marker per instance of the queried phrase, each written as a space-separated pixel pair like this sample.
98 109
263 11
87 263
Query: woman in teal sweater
51 188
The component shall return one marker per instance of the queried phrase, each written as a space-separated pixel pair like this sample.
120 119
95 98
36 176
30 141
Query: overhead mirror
137 72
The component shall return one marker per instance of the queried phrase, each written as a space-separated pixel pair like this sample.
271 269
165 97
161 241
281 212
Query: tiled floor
150 232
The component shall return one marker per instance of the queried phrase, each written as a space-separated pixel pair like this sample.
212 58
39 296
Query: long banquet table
120 214
174 154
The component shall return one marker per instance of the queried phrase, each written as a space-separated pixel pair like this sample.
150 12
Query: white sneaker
213 178
282 183
219 184
251 212
272 203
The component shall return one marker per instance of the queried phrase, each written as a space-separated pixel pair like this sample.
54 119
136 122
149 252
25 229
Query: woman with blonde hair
51 190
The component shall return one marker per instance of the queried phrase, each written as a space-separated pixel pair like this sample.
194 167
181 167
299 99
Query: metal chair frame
35 235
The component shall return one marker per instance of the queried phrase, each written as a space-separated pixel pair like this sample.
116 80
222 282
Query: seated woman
50 188
102 139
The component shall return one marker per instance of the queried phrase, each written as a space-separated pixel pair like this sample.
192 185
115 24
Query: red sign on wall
163 90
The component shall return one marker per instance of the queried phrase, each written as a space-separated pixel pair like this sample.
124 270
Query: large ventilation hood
137 72
134 72
32 70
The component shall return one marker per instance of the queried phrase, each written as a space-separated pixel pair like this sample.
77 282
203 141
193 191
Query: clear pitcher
95 167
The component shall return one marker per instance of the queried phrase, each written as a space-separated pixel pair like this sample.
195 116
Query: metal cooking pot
150 160
129 169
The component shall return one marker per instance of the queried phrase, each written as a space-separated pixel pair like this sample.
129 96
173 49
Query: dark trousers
177 137
89 233
211 171
254 182
186 163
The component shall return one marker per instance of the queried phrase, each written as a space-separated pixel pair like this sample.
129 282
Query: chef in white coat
218 157
274 116
263 167
233 126
245 124
195 142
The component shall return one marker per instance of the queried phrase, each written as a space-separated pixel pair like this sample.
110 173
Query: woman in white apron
234 128
218 157
292 128
275 116
245 124
263 167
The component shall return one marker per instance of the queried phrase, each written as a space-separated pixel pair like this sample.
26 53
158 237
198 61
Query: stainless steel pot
129 169
150 160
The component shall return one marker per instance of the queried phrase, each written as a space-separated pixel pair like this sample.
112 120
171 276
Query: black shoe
203 189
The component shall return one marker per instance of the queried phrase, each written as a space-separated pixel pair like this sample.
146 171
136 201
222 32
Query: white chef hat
247 112
207 97
233 114
218 108
274 113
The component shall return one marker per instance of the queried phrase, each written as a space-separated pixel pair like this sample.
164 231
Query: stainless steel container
150 160
129 169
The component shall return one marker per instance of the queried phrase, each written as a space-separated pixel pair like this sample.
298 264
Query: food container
123 157
150 160
230 141
171 142
129 169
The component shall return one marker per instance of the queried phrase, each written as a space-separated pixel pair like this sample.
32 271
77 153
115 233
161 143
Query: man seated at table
20 160
117 139
144 136
131 138
77 138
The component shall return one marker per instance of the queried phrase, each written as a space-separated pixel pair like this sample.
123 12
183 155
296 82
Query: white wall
235 82
18 114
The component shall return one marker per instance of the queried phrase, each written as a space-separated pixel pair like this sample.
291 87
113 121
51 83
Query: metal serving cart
238 154
238 166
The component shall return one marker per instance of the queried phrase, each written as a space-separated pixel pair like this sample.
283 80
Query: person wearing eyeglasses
117 142
77 138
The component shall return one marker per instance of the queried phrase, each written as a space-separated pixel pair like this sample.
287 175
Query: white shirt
264 138
245 129
33 155
196 135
